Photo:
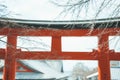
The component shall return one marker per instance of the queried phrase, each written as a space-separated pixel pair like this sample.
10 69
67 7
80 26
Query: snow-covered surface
28 75
21 75
92 75
48 70
115 73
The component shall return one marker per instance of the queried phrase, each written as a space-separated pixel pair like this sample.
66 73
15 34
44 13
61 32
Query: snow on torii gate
103 54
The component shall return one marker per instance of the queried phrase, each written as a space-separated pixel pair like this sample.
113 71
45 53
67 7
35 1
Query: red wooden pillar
9 69
104 61
56 45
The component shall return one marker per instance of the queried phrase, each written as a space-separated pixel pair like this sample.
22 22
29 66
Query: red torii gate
103 54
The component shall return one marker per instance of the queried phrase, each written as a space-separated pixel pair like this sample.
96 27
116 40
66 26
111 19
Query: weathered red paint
50 32
2 53
25 69
104 60
56 45
103 54
10 62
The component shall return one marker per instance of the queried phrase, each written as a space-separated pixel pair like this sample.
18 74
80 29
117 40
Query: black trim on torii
73 24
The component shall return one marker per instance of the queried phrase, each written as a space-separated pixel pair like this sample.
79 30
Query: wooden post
9 69
56 46
104 61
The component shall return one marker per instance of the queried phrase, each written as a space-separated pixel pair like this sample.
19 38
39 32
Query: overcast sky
33 9
45 10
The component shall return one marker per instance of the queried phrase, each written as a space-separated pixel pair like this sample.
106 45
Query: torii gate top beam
73 24
56 29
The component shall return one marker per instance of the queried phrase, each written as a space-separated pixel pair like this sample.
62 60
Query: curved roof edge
110 22
60 22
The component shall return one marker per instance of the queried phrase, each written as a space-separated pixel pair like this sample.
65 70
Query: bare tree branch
98 8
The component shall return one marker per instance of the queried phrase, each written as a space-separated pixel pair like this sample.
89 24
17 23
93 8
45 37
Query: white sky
45 10
33 9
